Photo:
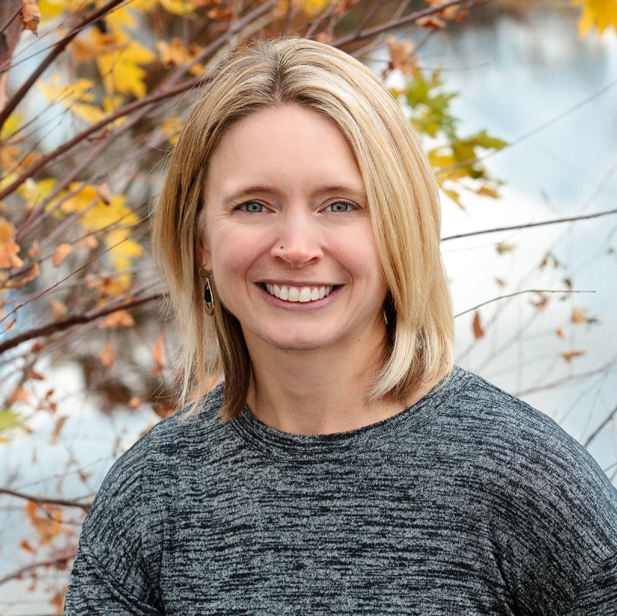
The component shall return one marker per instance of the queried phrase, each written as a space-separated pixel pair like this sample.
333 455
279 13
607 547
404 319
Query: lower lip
300 306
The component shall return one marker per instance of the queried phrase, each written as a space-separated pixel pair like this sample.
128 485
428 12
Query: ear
203 252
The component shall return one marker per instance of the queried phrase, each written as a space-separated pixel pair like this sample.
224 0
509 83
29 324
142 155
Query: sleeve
598 595
114 572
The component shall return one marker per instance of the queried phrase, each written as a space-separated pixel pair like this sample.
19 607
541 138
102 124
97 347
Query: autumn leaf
59 425
19 394
107 355
504 247
121 69
8 247
58 308
402 56
157 354
560 334
8 419
62 252
30 15
579 315
478 332
134 403
569 355
24 545
43 521
33 272
600 14
119 318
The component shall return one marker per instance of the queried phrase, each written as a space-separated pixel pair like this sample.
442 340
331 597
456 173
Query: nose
299 241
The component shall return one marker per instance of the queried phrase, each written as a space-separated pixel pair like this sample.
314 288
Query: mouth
304 294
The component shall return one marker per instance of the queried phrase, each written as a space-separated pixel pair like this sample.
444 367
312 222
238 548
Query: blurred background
515 104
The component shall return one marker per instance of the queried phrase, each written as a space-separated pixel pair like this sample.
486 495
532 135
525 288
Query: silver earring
209 297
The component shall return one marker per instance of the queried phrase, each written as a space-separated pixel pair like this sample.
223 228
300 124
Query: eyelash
351 207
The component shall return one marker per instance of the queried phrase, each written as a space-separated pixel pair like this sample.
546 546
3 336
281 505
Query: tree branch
397 23
42 500
53 54
554 221
600 427
127 109
496 299
76 319
59 561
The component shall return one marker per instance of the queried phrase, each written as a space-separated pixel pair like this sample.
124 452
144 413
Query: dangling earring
208 298
208 295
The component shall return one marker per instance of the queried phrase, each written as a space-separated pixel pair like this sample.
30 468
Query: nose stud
281 246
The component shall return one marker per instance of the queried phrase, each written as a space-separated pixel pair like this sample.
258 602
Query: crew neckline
321 447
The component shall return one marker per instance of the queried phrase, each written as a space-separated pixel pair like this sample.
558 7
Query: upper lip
296 283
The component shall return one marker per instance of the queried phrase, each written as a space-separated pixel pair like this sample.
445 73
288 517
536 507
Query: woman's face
288 234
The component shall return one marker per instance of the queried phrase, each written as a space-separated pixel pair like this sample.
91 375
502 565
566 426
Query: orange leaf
30 15
33 251
134 403
59 425
8 254
104 193
571 354
24 545
19 395
88 241
157 353
61 253
478 332
58 308
31 275
119 318
560 334
44 523
107 355
579 315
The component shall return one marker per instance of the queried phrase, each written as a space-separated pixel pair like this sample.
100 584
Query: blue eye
339 206
252 207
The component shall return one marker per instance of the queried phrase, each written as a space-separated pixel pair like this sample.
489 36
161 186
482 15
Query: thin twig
496 299
55 562
554 221
600 427
397 23
43 500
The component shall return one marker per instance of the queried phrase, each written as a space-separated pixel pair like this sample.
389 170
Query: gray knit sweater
468 503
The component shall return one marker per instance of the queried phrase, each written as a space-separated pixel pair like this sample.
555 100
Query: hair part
403 203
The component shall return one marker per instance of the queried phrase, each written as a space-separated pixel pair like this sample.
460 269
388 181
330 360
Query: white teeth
298 294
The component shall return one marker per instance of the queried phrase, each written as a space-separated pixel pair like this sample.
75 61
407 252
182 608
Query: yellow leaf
123 249
179 7
121 70
12 125
314 7
172 128
600 14
62 252
175 53
504 247
34 192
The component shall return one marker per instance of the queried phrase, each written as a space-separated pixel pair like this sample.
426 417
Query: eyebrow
322 190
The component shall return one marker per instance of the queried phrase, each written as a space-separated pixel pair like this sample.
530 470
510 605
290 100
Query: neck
317 392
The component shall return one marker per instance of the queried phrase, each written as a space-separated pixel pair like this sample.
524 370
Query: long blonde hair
403 203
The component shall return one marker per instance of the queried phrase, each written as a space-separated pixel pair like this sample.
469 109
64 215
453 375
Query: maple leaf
600 14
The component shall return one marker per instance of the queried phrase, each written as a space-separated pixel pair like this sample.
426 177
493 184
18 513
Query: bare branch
402 21
76 319
42 500
496 299
597 431
554 221
59 561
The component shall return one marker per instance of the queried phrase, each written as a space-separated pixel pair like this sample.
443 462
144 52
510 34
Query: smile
298 294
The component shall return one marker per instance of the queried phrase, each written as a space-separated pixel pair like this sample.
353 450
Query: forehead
286 145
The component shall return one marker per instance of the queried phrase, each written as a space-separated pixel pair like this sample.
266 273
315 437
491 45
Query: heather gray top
470 502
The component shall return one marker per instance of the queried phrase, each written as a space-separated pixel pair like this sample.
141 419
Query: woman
344 466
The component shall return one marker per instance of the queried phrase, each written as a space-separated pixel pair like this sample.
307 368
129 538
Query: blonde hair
403 203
